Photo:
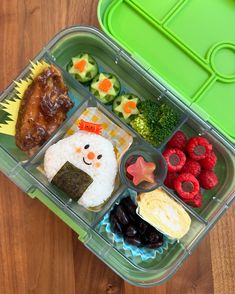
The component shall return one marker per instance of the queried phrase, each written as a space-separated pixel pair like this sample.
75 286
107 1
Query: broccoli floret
149 107
155 121
168 118
150 110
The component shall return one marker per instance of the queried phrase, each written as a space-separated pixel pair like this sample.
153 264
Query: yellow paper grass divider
11 106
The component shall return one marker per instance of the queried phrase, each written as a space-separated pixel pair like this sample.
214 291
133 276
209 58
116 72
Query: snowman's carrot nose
91 155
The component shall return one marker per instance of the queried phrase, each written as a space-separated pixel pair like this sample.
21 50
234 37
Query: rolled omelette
163 213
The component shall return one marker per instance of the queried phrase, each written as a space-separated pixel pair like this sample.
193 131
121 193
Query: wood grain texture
38 252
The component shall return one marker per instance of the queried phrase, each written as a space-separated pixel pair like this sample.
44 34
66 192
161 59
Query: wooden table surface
38 252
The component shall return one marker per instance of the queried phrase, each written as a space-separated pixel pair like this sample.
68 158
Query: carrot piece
91 155
80 65
127 107
105 85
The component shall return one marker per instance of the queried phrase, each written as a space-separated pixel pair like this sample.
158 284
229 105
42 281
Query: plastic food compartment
27 172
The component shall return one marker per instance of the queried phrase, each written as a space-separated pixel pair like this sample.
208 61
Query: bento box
104 148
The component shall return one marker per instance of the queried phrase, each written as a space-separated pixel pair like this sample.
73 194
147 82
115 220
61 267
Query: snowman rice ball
84 166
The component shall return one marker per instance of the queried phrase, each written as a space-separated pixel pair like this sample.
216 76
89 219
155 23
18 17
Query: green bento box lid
188 45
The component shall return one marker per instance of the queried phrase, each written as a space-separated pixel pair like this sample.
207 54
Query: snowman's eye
86 146
99 156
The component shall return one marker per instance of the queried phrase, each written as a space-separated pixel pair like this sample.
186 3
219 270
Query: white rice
103 177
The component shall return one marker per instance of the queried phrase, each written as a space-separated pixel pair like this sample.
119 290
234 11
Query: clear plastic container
134 78
150 155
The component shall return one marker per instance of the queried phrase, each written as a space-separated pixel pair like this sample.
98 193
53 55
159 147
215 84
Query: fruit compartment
169 255
113 60
35 166
10 105
215 199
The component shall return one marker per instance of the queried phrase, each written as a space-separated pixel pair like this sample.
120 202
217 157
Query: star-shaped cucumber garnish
81 65
128 107
110 91
142 171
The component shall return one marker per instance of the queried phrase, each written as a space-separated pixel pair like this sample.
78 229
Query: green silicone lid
188 44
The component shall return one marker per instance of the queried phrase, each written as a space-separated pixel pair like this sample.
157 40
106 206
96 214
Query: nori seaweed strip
72 180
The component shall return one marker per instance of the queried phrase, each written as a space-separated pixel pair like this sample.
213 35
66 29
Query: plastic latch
118 56
147 66
230 201
6 162
20 177
203 114
168 89
14 171
105 251
141 61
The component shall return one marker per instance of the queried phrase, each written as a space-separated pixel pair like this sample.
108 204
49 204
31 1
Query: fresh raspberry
175 159
178 141
209 162
208 179
198 148
192 166
196 201
187 186
169 181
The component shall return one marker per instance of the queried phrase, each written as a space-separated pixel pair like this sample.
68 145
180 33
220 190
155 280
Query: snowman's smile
87 163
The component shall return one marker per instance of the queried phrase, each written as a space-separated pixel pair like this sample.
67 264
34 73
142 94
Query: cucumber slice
88 70
125 106
113 88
